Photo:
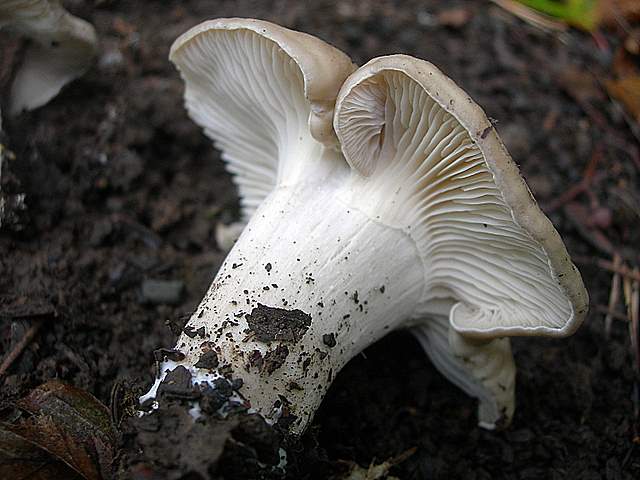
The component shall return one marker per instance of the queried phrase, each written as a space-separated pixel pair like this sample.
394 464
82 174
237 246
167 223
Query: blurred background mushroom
62 49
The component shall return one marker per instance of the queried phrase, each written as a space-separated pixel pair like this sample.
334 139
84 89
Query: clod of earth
208 360
270 324
381 198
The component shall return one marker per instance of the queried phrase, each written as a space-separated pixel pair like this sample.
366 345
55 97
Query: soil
270 324
122 190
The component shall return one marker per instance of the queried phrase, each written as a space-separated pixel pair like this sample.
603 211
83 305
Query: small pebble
162 291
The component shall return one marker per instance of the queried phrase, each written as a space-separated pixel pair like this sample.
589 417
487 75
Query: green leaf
579 13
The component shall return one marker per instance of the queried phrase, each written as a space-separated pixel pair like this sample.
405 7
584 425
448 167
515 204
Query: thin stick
632 299
589 176
614 294
19 347
614 314
623 270
634 316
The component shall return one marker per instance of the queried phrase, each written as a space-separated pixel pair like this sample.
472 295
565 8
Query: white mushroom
63 49
420 220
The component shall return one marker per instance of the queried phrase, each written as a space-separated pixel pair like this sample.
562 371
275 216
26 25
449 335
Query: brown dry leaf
68 424
23 460
611 12
627 91
377 472
623 65
632 42
580 85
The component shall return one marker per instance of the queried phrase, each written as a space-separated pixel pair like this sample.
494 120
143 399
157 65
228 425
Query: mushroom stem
308 285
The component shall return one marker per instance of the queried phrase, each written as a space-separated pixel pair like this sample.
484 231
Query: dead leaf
623 65
611 12
23 460
377 472
580 85
632 42
627 91
67 428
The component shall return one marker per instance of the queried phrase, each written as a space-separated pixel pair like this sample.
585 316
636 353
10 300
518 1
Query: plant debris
62 428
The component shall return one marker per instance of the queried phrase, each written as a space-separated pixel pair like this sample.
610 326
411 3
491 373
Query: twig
589 176
623 270
19 347
614 294
614 313
632 300
633 303
630 121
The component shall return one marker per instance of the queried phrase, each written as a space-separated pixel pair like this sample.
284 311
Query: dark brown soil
270 323
122 190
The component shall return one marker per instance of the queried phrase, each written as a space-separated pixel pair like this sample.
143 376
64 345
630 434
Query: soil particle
213 397
192 332
271 323
274 359
177 384
256 359
236 384
252 451
162 292
253 432
294 386
286 418
223 386
162 354
208 360
329 339
306 364
170 445
267 267
321 353
211 400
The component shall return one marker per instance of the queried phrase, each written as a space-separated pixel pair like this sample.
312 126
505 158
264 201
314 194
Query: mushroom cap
323 67
264 94
502 240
